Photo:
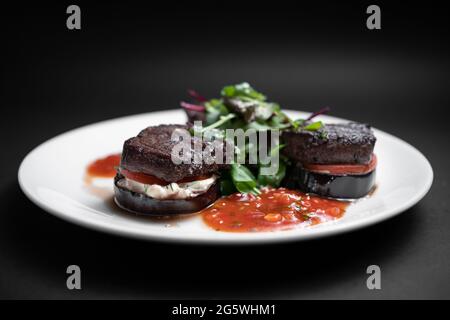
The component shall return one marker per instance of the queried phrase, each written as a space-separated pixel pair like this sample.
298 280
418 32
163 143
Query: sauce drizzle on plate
274 209
104 167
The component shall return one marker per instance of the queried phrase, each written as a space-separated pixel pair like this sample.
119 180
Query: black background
134 57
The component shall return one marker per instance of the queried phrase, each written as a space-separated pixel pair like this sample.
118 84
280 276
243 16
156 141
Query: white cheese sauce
171 191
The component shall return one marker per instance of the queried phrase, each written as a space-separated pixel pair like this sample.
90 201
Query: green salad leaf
313 126
214 109
243 179
227 185
242 107
242 90
273 180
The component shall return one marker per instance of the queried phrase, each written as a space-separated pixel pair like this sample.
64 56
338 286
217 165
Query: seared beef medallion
149 182
335 161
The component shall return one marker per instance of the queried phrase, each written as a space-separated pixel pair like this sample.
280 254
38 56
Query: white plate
52 177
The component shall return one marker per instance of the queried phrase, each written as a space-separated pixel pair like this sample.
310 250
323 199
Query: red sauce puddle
273 209
104 167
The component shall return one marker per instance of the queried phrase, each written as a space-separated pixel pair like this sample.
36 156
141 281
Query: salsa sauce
104 167
273 209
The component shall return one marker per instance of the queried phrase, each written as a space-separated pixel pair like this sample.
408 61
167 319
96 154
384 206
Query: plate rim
237 238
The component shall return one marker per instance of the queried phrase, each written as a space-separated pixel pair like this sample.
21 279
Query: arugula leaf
314 126
227 186
243 179
258 126
276 149
265 110
273 180
214 109
220 122
242 90
250 109
298 123
279 121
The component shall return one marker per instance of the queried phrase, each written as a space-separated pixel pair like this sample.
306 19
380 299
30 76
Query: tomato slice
149 179
190 179
142 177
342 169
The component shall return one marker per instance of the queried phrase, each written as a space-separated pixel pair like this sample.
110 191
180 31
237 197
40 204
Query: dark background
132 58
